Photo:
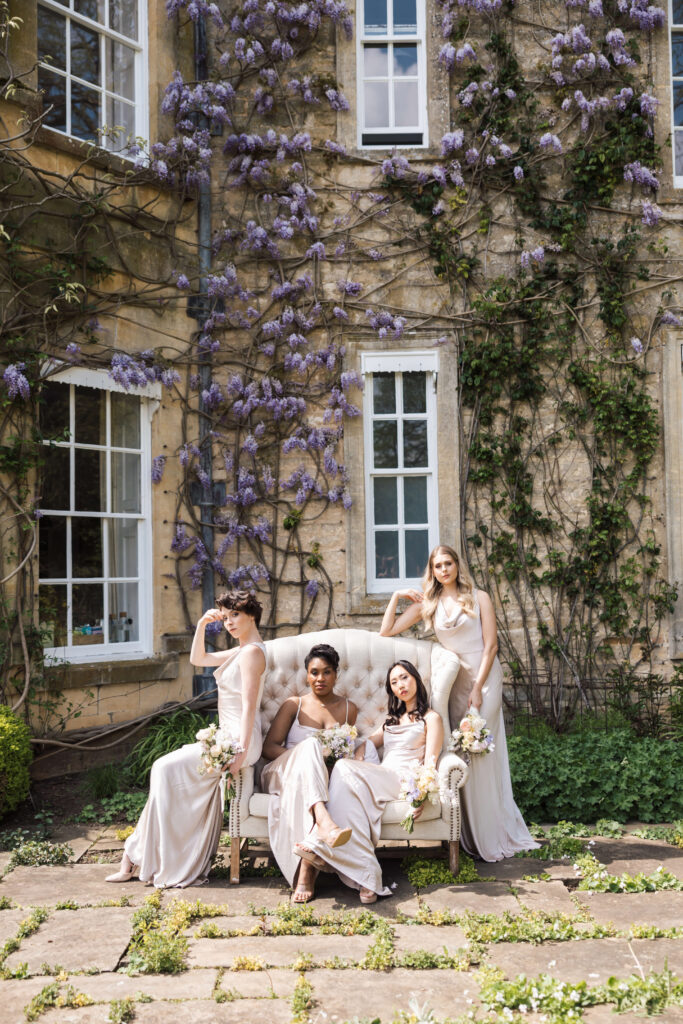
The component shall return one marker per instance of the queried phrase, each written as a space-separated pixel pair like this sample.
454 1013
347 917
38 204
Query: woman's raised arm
199 654
391 625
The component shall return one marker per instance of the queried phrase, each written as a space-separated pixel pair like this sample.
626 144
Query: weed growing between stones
302 1000
423 960
55 995
533 926
380 956
423 871
158 945
5 903
672 834
121 1011
35 852
595 877
27 927
248 963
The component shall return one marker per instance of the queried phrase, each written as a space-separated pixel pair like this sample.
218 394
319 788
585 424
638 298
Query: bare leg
328 830
125 872
305 885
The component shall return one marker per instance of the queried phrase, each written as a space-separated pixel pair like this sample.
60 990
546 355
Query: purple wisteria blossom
536 255
16 381
548 139
637 345
669 319
636 173
312 588
651 214
352 288
518 173
158 465
73 352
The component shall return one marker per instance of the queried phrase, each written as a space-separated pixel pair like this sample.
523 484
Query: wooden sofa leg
235 849
453 856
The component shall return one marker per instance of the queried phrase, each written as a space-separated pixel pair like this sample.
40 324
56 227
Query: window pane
52 613
123 17
376 61
375 17
90 427
125 482
678 104
86 547
53 88
405 105
386 501
405 17
386 555
55 478
383 393
121 69
85 112
405 60
123 547
414 392
89 484
376 105
54 410
120 116
678 149
52 547
52 38
90 9
415 443
85 53
677 10
415 499
125 421
417 551
677 53
124 621
87 614
385 444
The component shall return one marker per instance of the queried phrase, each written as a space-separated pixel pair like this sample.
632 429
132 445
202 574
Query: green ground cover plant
595 877
672 834
423 871
15 757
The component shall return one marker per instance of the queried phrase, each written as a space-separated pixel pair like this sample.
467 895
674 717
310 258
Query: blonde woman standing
464 621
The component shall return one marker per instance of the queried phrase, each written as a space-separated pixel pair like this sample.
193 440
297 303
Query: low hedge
15 757
587 776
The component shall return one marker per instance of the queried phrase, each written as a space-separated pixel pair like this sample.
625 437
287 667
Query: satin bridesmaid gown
178 831
492 825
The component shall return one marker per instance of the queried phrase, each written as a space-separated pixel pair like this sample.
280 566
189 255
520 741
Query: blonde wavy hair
432 589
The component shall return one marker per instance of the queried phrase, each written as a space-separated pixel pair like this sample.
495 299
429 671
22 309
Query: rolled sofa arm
239 805
453 774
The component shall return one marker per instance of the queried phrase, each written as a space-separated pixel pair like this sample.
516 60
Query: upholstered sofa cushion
394 812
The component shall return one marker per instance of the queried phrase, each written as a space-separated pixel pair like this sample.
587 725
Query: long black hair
396 706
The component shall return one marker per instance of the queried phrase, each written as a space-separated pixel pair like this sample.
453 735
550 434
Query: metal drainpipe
204 682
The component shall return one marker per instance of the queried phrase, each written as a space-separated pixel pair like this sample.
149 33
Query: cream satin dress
492 826
358 794
178 831
296 780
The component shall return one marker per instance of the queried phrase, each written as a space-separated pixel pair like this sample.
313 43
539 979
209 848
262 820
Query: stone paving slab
84 883
663 909
241 1011
634 855
197 984
480 898
277 950
656 954
593 960
241 923
431 938
77 940
15 995
548 896
384 994
605 1015
260 984
261 892
512 869
9 923
4 860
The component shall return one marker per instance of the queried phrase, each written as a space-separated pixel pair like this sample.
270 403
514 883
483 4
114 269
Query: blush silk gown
296 780
492 826
359 792
178 831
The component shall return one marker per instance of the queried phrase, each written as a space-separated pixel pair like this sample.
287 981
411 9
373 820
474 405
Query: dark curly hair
241 601
325 652
397 707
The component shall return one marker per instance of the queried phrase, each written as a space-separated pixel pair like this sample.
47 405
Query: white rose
215 750
203 735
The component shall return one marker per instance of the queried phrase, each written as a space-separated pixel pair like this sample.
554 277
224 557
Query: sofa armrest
239 805
453 774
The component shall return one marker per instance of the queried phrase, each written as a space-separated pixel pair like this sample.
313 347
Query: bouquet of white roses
337 742
219 750
419 784
472 736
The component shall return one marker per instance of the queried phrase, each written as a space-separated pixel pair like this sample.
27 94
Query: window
392 104
676 21
94 533
92 68
401 498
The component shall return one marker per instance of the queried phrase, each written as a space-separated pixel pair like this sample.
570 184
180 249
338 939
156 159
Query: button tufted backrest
364 659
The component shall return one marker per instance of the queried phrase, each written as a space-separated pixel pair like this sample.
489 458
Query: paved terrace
245 964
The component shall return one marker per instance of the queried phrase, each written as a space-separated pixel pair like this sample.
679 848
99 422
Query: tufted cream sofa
365 658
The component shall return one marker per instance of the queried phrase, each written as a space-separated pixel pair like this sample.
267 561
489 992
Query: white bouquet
419 784
219 750
338 742
472 736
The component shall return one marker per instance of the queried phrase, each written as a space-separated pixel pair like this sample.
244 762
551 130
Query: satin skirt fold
296 780
178 831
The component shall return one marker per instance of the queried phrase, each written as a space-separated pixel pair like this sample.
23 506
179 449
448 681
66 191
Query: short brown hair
241 601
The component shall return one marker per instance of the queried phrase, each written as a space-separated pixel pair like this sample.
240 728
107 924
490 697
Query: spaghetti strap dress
296 780
179 828
492 825
359 792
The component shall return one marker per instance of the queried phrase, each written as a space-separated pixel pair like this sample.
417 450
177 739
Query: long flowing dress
359 792
179 828
492 826
296 780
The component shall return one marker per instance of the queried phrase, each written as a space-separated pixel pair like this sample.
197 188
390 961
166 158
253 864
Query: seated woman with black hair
360 790
297 777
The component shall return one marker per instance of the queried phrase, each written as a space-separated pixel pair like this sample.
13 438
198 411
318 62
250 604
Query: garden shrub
588 776
167 734
15 757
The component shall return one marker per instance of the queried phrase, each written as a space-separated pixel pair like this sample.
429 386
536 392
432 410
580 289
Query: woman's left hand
475 699
234 767
418 812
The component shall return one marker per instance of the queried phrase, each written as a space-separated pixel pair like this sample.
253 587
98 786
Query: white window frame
420 39
149 402
674 29
140 102
399 362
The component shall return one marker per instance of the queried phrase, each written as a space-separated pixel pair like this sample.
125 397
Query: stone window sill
107 673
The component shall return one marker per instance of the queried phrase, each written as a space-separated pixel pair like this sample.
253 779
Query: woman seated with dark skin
297 777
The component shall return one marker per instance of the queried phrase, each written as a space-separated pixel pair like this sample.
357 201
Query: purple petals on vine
651 214
637 346
640 175
158 466
16 381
